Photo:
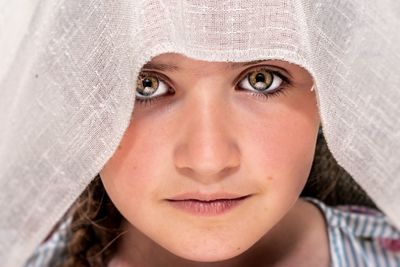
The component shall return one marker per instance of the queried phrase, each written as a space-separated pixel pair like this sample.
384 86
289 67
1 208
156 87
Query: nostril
202 165
206 159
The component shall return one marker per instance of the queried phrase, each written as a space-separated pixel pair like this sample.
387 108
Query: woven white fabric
69 69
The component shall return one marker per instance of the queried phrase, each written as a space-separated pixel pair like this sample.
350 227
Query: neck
287 244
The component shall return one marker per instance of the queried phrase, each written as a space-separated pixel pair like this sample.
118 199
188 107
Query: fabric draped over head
69 69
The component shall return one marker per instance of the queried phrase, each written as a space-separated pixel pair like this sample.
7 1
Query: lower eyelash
151 100
281 91
278 92
146 101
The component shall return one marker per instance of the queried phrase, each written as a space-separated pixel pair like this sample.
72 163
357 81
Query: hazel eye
261 80
149 86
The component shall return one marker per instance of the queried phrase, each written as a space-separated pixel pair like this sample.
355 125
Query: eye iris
147 85
260 80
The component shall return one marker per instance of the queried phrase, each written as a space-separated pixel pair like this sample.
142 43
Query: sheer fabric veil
68 69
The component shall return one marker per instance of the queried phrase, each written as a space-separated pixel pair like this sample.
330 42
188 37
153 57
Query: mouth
207 205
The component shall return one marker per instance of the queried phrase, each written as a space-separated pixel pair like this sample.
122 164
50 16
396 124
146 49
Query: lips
207 205
207 197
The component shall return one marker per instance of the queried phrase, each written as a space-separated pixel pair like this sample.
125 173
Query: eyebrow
160 66
231 66
173 68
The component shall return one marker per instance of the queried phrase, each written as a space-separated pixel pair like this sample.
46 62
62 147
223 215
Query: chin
213 256
209 253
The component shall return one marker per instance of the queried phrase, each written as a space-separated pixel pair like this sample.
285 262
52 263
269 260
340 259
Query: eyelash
149 101
286 82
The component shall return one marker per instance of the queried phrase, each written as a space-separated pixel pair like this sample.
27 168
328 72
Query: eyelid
285 75
159 75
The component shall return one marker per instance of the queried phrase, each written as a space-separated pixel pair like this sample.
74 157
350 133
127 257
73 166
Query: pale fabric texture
69 67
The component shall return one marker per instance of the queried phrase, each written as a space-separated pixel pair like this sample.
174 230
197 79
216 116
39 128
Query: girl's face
216 154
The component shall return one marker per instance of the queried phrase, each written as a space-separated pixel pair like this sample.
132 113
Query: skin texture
208 136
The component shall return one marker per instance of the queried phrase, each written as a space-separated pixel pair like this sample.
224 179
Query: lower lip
207 208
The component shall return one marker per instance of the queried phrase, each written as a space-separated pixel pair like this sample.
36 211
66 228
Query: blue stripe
336 255
343 240
364 227
373 244
352 243
364 254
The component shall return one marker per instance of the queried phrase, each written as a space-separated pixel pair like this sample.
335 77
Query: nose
207 151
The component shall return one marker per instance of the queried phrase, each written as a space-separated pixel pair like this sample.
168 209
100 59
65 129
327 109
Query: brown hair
95 226
96 223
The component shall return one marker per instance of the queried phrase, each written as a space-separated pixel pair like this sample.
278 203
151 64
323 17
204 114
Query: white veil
68 71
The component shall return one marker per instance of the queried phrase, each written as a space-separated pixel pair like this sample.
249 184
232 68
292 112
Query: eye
149 86
262 80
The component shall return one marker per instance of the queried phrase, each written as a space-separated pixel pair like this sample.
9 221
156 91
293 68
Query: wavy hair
95 226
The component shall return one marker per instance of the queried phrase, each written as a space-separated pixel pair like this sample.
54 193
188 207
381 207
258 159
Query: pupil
260 77
147 83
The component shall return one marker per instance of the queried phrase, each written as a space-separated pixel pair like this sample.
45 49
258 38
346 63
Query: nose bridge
207 121
207 150
207 131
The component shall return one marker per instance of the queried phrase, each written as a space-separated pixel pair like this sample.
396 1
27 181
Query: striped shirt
358 237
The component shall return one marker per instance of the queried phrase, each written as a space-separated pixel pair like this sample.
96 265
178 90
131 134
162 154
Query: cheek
281 147
133 172
278 149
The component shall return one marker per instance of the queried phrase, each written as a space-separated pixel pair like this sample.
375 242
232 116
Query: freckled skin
210 136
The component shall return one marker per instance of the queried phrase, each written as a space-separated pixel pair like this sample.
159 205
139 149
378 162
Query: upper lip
207 197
